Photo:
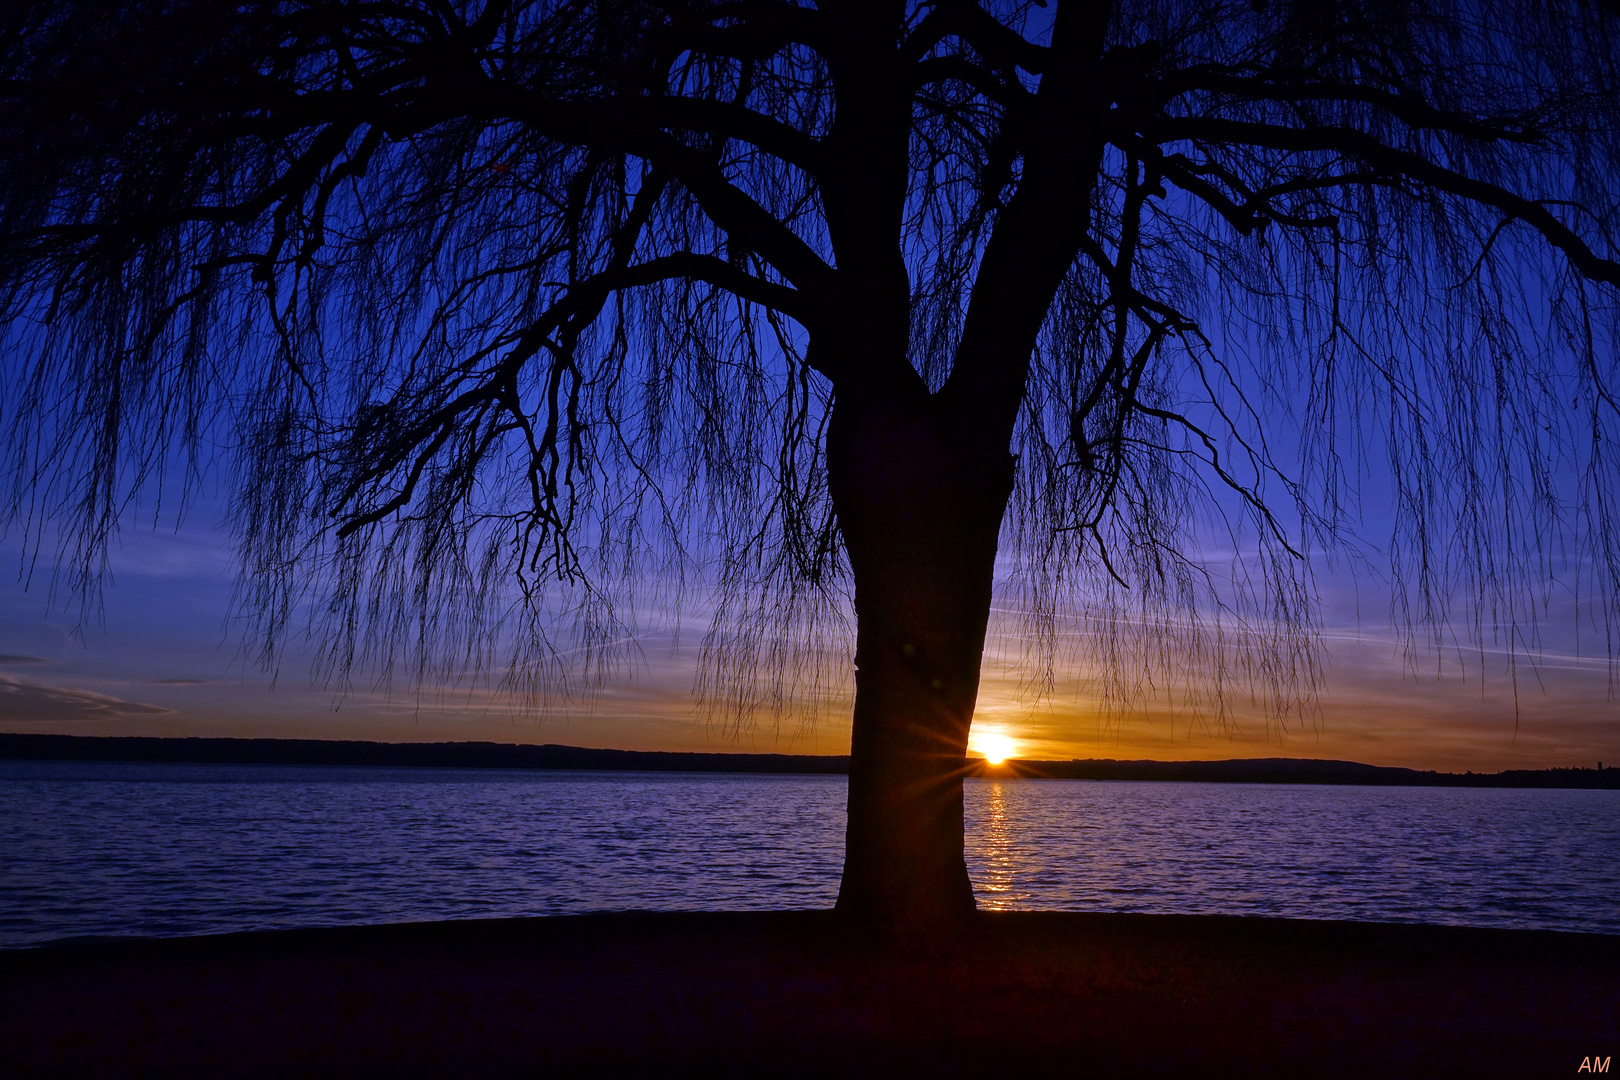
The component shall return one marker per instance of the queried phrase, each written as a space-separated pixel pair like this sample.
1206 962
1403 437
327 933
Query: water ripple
1475 856
92 849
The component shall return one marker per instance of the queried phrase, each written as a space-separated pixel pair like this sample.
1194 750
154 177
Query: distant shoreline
487 755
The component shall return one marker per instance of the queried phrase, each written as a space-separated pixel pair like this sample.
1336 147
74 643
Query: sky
160 659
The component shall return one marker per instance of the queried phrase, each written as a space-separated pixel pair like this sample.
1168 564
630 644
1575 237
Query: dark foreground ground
795 994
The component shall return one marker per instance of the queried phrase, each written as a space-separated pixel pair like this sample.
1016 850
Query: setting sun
995 746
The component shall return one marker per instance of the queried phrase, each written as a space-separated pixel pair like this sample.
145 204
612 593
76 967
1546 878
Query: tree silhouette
507 315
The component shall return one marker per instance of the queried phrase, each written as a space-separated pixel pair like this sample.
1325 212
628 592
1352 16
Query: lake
117 848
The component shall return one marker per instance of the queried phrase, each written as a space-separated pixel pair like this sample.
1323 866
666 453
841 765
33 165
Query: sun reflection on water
999 869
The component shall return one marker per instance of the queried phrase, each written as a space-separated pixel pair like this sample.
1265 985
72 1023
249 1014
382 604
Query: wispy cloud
37 702
24 660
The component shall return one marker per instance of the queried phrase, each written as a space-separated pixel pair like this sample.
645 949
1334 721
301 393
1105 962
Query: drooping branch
1002 47
1394 162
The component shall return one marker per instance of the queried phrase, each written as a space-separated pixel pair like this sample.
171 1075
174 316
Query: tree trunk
920 514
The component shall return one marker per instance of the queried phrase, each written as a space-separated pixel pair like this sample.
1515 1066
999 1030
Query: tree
568 294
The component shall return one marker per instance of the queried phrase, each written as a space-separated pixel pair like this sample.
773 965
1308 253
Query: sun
995 747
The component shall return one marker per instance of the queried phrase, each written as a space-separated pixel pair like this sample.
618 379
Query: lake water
92 849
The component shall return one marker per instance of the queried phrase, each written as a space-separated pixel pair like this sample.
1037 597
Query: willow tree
502 309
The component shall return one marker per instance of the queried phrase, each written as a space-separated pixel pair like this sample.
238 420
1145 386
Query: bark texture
920 515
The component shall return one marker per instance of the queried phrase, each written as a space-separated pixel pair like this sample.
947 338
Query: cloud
178 682
23 660
37 702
